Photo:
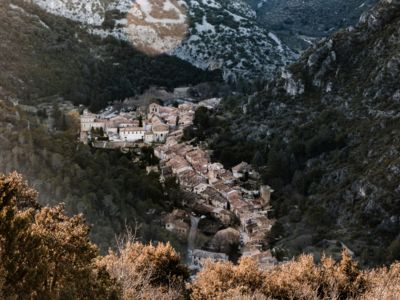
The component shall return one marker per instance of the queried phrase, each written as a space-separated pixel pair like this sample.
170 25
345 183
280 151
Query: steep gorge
325 136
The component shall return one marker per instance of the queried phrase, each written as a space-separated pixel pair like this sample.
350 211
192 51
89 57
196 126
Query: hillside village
223 194
233 197
129 126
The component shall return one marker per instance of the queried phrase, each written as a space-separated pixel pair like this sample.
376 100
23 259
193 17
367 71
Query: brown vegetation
298 279
146 271
45 254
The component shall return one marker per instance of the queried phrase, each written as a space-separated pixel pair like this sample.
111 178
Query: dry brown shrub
383 283
227 281
303 279
299 279
14 191
147 271
45 254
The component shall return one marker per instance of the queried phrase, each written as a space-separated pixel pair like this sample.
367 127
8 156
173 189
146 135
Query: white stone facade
132 134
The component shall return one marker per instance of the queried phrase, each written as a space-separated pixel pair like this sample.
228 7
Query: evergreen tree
140 120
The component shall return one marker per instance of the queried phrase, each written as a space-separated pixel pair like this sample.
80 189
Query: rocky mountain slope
45 57
299 22
209 34
325 135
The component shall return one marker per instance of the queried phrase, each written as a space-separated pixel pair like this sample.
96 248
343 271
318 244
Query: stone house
215 198
177 223
213 171
227 178
190 179
241 170
265 194
87 119
178 227
154 108
160 133
132 134
148 137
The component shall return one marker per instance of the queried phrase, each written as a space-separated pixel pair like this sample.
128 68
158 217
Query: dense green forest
107 186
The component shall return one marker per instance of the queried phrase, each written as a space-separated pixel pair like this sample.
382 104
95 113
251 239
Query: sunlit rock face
157 26
210 34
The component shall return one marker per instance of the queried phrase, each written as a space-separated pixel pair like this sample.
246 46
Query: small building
154 108
189 179
87 119
178 227
178 165
215 198
160 133
185 120
227 178
132 134
186 107
177 223
265 194
213 171
148 137
241 170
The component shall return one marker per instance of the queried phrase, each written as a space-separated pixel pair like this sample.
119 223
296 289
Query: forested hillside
325 136
107 186
209 34
44 56
299 23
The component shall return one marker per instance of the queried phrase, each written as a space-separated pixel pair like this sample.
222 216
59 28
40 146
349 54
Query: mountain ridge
243 49
60 61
